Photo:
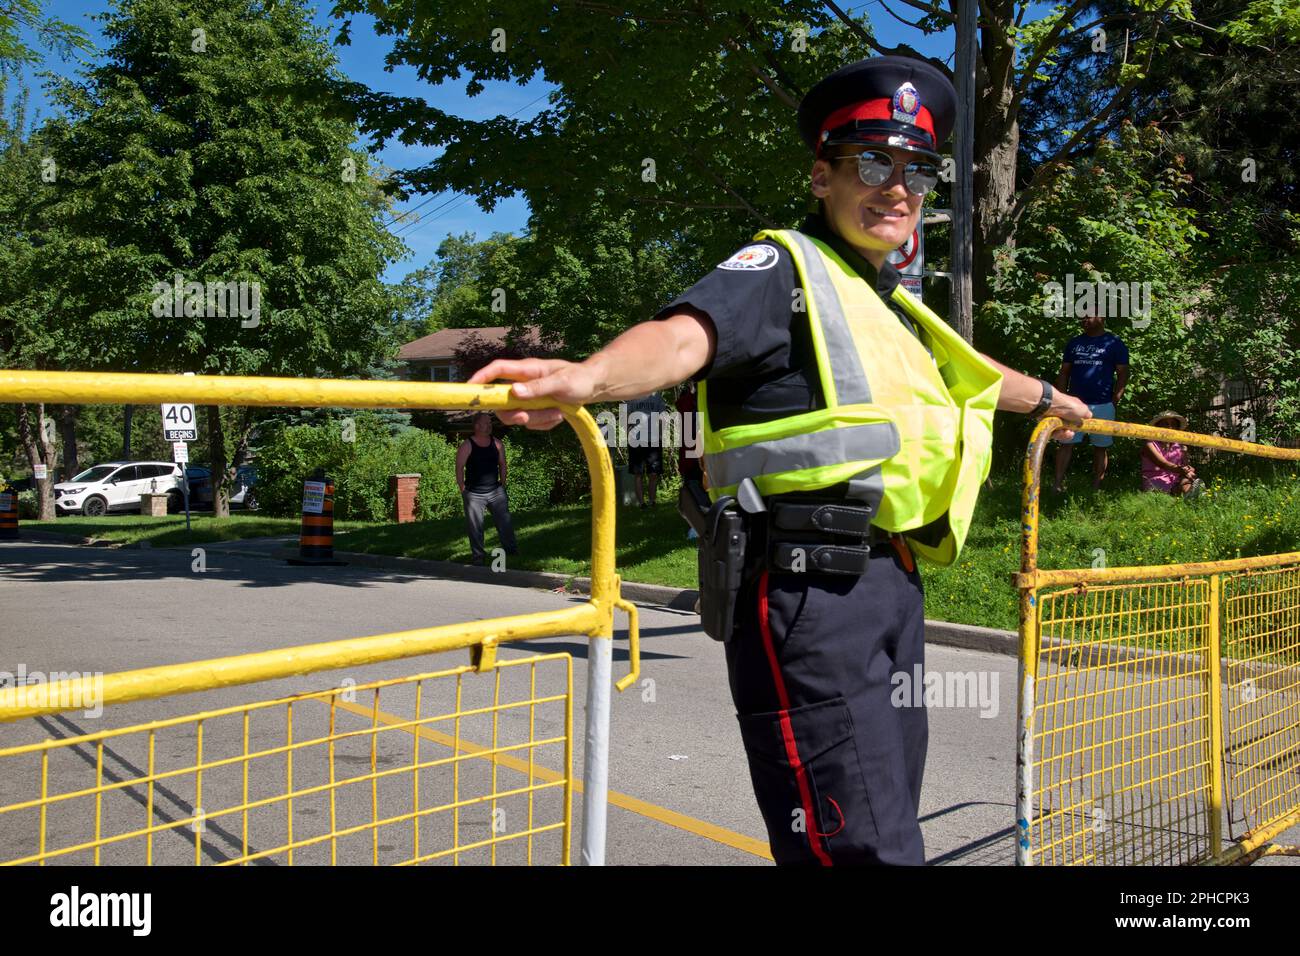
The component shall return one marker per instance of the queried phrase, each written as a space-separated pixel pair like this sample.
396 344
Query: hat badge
907 103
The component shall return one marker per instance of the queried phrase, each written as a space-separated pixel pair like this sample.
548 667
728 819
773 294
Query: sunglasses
876 167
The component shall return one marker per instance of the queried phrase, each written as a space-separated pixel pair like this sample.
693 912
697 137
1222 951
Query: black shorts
645 460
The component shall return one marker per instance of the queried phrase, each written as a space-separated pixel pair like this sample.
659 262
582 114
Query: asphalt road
679 781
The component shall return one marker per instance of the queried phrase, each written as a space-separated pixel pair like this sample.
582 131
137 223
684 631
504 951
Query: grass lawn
1241 517
651 544
162 532
1236 517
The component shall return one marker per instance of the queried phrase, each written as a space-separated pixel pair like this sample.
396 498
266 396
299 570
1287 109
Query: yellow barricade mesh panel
1121 738
453 766
1262 667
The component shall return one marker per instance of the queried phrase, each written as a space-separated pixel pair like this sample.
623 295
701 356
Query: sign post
179 426
181 455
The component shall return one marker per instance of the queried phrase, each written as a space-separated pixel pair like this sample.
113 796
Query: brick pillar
153 505
403 488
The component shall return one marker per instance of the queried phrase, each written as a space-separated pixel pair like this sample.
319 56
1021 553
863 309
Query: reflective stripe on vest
873 441
848 382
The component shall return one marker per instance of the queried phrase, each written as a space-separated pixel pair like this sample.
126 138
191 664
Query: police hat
887 100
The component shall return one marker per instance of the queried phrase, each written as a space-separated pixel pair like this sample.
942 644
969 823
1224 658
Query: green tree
185 159
578 287
1248 328
51 33
584 285
32 254
680 117
456 289
684 115
1119 216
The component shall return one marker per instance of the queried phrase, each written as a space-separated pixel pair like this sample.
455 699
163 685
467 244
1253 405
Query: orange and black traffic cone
316 542
8 514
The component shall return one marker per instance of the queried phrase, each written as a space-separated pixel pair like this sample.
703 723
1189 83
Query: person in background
481 475
688 454
1164 467
1094 370
644 443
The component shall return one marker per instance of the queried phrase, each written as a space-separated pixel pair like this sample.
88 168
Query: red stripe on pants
787 729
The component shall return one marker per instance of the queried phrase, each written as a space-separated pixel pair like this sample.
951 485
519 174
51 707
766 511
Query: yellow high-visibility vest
912 436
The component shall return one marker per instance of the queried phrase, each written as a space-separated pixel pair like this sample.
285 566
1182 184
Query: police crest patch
751 258
907 103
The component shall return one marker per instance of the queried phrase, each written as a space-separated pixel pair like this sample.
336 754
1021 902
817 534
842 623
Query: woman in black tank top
481 474
481 469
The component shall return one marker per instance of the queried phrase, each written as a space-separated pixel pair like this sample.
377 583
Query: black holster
724 538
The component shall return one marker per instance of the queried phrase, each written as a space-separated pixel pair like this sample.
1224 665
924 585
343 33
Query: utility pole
961 307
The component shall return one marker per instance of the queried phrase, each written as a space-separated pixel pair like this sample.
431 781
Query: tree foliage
1115 217
456 289
680 116
51 33
211 146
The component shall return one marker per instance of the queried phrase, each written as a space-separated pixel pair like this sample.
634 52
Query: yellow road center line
702 828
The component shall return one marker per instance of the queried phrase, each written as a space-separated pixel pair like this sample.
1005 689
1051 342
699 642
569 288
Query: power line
412 228
402 214
406 212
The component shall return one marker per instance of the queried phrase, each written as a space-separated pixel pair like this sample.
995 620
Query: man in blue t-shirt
1094 369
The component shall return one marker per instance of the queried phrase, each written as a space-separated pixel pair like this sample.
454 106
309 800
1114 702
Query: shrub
28 507
543 469
360 469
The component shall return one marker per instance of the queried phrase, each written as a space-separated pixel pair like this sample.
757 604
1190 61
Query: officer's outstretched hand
1070 409
566 382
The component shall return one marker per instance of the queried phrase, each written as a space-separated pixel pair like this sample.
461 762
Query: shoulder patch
751 259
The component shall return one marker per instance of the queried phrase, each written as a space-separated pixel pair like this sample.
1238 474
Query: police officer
850 427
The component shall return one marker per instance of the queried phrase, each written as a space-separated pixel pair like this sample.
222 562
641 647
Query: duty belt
740 535
831 536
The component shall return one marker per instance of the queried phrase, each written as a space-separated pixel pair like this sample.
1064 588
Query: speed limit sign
178 423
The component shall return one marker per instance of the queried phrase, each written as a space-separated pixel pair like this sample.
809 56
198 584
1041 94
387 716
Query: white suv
116 486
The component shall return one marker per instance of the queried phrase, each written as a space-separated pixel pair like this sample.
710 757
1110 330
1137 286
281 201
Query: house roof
443 344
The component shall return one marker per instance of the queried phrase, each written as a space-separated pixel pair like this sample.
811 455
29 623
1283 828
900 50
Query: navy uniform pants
836 766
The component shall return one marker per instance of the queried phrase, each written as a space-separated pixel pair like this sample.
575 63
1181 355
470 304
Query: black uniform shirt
764 366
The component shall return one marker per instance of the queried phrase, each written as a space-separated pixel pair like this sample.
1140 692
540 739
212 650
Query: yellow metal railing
593 618
315 778
1148 695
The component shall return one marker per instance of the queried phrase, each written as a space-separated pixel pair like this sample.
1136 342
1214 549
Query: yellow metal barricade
463 764
1158 707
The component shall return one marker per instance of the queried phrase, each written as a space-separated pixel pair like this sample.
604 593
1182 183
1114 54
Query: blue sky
363 60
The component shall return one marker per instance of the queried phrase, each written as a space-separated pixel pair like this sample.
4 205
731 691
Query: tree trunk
244 431
997 140
220 467
961 291
995 194
68 427
127 412
38 442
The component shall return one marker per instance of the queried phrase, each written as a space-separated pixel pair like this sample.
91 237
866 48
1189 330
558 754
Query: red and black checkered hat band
872 121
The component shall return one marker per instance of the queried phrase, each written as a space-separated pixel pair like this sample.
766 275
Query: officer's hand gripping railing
593 618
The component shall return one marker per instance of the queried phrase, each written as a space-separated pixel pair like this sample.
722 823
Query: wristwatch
1045 402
